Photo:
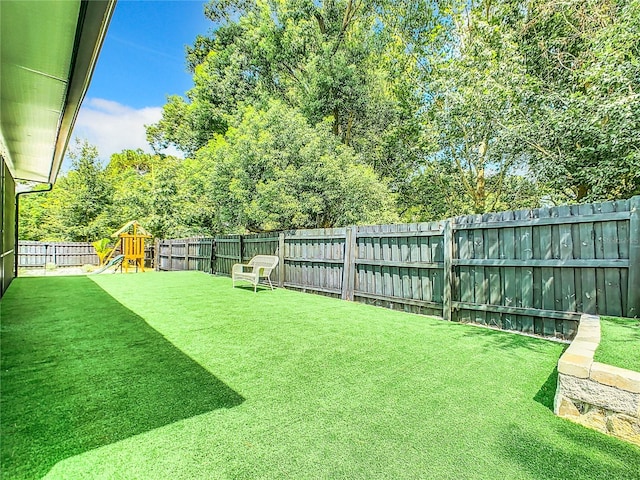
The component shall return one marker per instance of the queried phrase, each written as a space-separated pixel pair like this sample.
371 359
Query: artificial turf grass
340 390
80 371
619 343
343 390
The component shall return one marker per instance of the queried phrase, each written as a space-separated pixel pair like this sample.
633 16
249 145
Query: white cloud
114 127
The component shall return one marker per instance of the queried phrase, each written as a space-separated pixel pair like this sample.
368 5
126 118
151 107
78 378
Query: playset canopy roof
140 231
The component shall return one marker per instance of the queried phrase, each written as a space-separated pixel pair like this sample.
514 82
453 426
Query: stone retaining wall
596 395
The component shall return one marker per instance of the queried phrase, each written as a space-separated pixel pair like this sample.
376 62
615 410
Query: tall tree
478 82
334 60
151 189
582 129
79 204
272 171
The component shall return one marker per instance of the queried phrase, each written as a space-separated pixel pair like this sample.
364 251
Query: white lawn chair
258 267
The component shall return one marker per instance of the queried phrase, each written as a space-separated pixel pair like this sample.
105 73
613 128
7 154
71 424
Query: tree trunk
347 133
336 122
581 192
480 199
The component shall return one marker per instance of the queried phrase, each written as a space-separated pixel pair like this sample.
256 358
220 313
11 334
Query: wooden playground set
132 237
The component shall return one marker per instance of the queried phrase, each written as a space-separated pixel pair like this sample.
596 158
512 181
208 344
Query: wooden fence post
349 269
187 244
448 270
281 260
156 255
633 297
212 258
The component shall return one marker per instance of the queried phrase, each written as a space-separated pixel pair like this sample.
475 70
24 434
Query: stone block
575 365
594 393
596 418
589 320
624 426
580 347
564 407
598 396
616 377
588 334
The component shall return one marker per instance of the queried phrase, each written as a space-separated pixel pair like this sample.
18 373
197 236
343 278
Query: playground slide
114 262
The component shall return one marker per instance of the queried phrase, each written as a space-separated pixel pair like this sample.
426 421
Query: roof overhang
48 51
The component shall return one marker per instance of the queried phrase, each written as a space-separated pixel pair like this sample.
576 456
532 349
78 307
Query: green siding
7 238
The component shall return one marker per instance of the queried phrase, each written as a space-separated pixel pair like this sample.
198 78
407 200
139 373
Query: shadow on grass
80 371
504 339
249 288
547 392
574 452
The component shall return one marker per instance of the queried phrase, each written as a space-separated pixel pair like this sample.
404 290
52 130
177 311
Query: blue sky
141 62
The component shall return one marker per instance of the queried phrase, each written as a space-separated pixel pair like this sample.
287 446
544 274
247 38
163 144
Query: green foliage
77 209
583 124
474 97
188 126
274 171
33 214
271 170
333 61
90 201
103 249
550 90
148 188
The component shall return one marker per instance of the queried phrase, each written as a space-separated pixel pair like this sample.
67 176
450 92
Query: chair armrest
239 268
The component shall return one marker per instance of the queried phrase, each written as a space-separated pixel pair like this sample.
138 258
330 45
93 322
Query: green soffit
48 50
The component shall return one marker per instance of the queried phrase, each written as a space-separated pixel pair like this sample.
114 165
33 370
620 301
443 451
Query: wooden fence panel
178 254
551 263
62 254
198 254
32 254
185 254
228 252
164 255
633 274
314 260
400 266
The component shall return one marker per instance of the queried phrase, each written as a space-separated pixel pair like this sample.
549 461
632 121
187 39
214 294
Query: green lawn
619 343
178 376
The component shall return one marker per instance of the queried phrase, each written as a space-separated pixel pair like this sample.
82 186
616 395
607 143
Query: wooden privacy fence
61 254
65 254
185 254
533 271
212 255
